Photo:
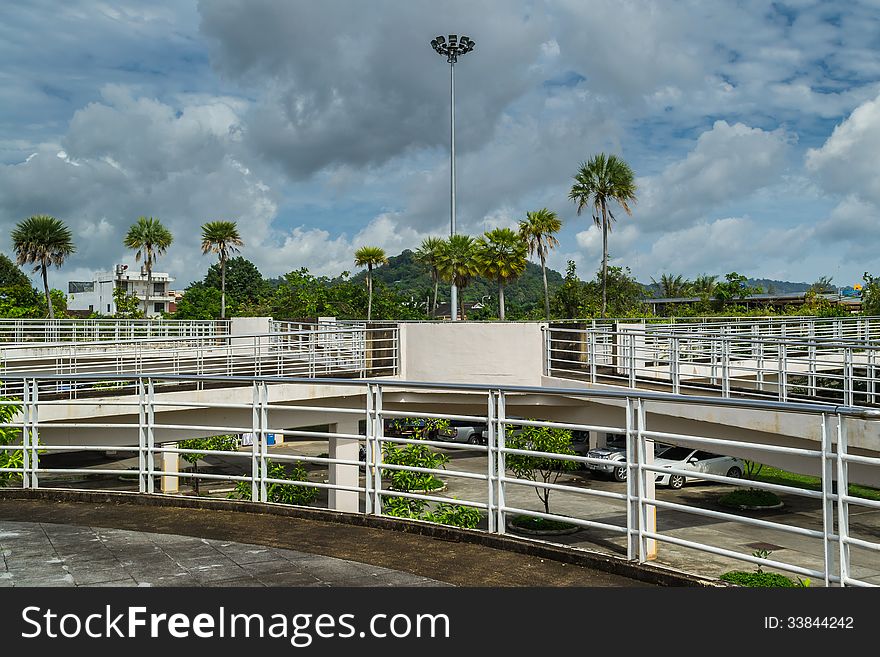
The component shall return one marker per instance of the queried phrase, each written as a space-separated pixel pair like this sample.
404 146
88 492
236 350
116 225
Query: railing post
827 497
848 376
725 364
151 437
491 463
782 380
142 437
369 447
501 463
632 501
842 504
591 353
632 359
255 454
264 427
675 365
26 411
377 451
545 335
34 442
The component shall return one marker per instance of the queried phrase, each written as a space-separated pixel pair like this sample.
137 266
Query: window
159 307
158 288
108 307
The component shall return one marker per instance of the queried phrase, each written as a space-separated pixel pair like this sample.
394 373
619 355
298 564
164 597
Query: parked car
696 461
460 431
615 453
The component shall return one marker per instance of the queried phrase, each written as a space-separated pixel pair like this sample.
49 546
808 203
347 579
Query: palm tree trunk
500 299
604 257
369 292
546 290
436 285
147 295
222 288
46 288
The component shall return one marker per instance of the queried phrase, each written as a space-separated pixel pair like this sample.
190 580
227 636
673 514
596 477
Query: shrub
281 493
749 497
762 580
10 436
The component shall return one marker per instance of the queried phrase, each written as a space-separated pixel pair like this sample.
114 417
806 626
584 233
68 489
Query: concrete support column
170 463
344 474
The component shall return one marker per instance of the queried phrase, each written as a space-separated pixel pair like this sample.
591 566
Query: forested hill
778 287
411 279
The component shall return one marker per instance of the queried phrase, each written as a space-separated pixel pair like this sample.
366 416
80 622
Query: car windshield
677 453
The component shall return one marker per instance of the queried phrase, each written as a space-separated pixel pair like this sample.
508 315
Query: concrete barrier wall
471 352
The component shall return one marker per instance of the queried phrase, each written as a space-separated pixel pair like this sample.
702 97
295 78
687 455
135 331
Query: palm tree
603 179
537 230
150 239
222 238
501 255
369 257
673 286
457 262
427 254
704 285
42 240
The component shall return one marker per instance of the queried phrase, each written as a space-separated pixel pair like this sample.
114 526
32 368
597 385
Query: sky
753 128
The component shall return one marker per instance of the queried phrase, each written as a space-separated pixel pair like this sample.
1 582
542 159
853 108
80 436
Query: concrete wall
471 352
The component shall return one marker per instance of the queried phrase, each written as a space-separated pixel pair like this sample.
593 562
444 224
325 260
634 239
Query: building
96 295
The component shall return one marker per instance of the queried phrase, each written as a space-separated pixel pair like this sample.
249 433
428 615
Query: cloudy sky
753 128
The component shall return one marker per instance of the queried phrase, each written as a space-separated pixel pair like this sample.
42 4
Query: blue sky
753 128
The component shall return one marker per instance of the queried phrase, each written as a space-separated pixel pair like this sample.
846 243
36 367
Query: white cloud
847 162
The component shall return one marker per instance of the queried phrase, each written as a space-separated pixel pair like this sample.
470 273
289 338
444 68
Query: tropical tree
501 256
369 257
598 182
537 231
704 285
427 254
457 263
823 285
222 238
150 239
42 240
673 286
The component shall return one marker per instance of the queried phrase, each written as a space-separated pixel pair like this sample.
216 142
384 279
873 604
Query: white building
97 295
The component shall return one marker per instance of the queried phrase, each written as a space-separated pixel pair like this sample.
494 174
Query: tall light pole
452 49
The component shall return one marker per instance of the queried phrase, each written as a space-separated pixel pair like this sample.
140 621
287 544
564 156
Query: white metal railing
837 364
146 424
19 331
293 350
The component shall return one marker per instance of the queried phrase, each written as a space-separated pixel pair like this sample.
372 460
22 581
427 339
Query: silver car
696 461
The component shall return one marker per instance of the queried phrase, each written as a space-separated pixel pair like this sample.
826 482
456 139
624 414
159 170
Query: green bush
540 468
539 524
281 493
761 580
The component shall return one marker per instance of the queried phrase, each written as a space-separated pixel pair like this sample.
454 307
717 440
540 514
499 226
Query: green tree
823 285
428 254
735 287
704 285
222 238
457 263
126 305
671 286
225 443
150 239
244 282
369 257
598 182
545 469
42 240
199 301
501 256
10 436
572 299
538 230
871 295
11 275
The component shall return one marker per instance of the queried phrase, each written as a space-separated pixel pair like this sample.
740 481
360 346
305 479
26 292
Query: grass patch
539 524
749 497
771 475
759 580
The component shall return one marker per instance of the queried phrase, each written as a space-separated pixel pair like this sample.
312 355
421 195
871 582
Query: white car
696 461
